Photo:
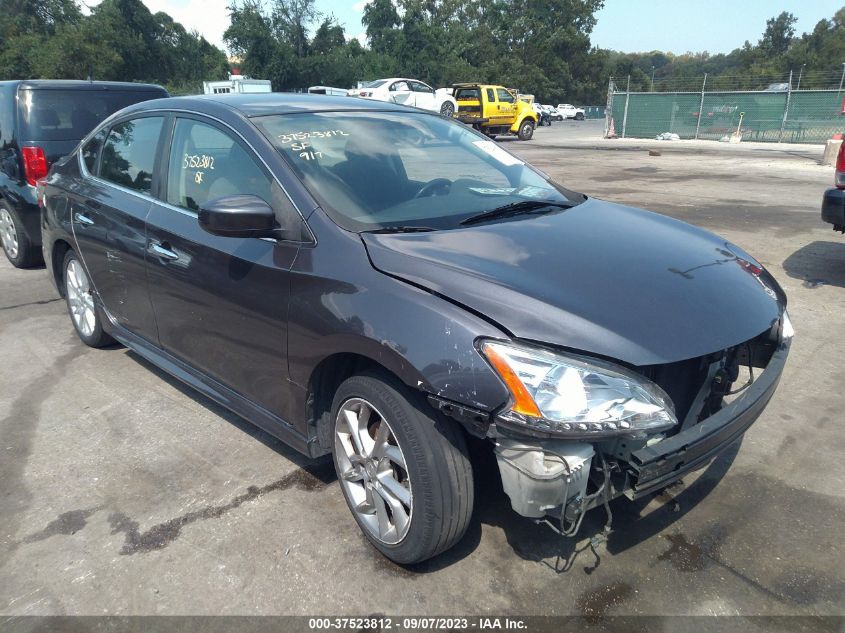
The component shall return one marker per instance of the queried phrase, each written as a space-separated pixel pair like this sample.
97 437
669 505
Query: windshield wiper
402 229
518 208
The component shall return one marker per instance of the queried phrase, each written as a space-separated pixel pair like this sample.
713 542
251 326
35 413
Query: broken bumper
655 467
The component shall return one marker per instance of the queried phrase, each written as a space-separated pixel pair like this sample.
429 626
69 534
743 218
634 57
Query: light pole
652 78
842 78
800 74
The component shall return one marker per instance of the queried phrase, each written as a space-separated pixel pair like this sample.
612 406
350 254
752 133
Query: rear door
108 212
220 302
400 92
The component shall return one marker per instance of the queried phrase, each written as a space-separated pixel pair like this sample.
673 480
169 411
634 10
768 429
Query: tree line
542 48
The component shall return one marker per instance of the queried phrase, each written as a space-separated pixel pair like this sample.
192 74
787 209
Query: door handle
161 251
82 219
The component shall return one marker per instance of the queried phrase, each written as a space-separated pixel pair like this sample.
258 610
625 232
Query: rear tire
18 248
403 469
526 130
85 314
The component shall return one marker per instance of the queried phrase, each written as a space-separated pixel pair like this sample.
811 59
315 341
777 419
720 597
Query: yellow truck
494 110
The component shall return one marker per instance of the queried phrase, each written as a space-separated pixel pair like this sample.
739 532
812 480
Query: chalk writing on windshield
302 136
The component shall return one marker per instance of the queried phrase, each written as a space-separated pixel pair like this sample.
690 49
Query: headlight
576 396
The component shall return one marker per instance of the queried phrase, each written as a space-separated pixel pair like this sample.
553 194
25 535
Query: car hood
599 278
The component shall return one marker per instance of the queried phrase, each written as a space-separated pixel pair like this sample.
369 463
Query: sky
679 26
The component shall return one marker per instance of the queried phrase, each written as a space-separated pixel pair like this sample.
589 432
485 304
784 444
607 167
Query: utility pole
842 78
652 78
800 74
700 106
786 108
627 98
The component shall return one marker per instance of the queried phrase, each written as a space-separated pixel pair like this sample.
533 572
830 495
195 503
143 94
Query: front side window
504 95
129 153
373 170
208 163
91 151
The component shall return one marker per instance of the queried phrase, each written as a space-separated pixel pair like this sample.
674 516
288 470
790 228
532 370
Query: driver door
400 92
220 302
505 107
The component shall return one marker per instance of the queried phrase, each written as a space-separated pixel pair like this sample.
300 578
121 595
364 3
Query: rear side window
207 163
91 151
69 115
129 153
491 96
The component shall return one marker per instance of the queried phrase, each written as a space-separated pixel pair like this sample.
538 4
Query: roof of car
253 105
74 84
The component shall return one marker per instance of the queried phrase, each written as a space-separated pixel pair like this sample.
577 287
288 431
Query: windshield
381 170
68 115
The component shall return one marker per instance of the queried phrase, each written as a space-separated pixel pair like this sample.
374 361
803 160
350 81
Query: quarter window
129 153
207 163
491 96
91 151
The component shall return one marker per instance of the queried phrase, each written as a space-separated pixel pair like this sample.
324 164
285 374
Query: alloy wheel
373 471
79 297
8 234
447 109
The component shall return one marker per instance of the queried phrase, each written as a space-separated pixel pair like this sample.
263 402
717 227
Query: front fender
427 341
520 119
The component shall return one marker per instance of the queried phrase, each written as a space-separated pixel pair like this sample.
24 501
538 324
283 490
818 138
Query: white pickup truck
569 111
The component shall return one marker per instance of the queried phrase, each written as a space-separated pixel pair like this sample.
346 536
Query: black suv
379 282
41 121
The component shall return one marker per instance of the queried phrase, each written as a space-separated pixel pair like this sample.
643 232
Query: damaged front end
580 432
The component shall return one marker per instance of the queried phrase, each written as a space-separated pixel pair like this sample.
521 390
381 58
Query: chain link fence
777 113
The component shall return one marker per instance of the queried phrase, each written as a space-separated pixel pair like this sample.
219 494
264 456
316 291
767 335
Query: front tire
403 469
447 109
579 116
526 130
86 316
18 248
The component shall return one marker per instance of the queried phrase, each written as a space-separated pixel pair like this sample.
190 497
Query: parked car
555 114
543 114
40 121
495 110
569 111
409 92
833 203
308 263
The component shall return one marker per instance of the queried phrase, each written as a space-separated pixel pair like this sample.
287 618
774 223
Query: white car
569 111
410 92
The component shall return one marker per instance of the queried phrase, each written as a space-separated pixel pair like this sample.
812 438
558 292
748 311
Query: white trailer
237 84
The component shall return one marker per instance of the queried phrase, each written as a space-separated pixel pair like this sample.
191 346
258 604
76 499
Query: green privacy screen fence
789 116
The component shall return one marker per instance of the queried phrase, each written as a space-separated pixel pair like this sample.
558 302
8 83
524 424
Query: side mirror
238 216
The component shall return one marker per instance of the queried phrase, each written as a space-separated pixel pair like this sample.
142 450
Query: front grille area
725 371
